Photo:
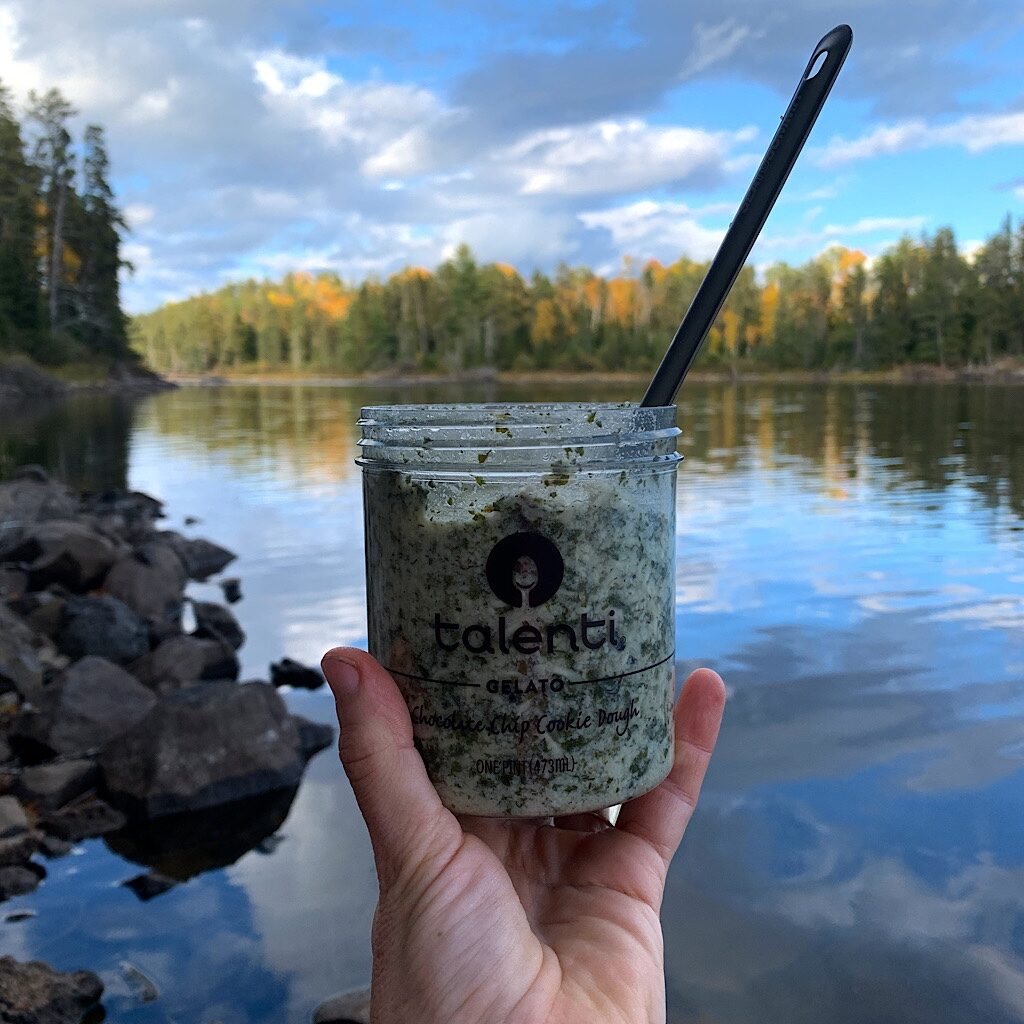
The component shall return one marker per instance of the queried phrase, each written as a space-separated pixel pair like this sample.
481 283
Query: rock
42 611
214 620
92 703
53 847
127 514
83 820
13 583
192 520
232 588
63 551
34 993
5 750
17 841
351 1007
30 499
149 885
287 672
31 471
181 846
49 786
19 915
181 660
313 736
17 850
152 583
141 984
201 558
103 626
13 820
21 671
201 746
17 880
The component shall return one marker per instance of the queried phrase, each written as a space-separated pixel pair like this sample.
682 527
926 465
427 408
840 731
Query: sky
250 138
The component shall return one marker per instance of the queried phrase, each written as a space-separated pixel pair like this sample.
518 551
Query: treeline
59 237
922 301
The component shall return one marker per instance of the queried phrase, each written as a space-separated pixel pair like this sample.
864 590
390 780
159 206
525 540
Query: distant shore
1005 372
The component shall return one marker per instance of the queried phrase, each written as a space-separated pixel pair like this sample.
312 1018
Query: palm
482 921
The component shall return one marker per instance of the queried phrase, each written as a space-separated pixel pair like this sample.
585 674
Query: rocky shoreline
23 381
115 721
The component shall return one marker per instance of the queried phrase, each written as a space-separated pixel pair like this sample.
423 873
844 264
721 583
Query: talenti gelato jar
520 578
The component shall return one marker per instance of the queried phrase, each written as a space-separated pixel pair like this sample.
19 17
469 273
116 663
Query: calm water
851 559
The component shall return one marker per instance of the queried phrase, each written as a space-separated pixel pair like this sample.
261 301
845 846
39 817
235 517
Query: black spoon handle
815 85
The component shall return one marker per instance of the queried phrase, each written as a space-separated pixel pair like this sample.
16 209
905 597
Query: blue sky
250 138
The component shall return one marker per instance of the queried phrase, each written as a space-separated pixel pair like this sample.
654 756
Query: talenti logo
525 570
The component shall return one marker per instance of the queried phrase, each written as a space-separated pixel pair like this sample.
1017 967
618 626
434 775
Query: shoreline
1003 373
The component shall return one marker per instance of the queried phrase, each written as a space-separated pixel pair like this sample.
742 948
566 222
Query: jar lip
628 416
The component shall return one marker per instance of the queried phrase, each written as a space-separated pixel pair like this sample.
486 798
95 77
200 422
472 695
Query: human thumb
406 820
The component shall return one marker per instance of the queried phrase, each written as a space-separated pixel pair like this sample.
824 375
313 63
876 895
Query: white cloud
1018 191
839 232
616 156
663 230
714 44
138 214
974 133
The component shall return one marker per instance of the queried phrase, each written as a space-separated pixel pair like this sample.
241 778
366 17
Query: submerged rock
103 626
201 746
180 846
150 885
216 621
232 588
201 558
152 583
85 819
287 672
92 703
49 786
34 993
181 660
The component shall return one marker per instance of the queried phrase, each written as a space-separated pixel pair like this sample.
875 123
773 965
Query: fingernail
341 674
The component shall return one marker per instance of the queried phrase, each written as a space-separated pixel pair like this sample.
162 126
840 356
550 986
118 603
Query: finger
661 816
404 815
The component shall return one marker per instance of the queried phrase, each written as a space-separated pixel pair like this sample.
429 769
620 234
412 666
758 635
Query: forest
60 238
921 301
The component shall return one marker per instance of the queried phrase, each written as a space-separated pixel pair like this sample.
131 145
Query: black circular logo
525 569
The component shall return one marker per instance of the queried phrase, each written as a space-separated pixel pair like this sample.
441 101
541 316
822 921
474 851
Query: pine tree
21 298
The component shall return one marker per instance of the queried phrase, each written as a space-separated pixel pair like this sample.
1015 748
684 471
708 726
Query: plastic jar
521 583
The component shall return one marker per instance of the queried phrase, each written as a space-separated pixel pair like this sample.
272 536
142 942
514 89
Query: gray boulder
49 786
33 496
351 1007
313 736
63 551
16 880
180 660
34 993
17 840
103 626
217 622
13 820
201 558
20 667
93 702
13 583
152 583
201 746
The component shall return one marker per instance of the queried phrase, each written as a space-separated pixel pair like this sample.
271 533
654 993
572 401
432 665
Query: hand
490 921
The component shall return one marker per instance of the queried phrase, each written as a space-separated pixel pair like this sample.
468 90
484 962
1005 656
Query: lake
850 559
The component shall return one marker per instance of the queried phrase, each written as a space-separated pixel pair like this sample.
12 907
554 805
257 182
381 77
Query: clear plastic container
521 584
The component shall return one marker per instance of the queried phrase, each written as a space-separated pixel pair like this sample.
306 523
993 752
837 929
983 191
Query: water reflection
851 558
